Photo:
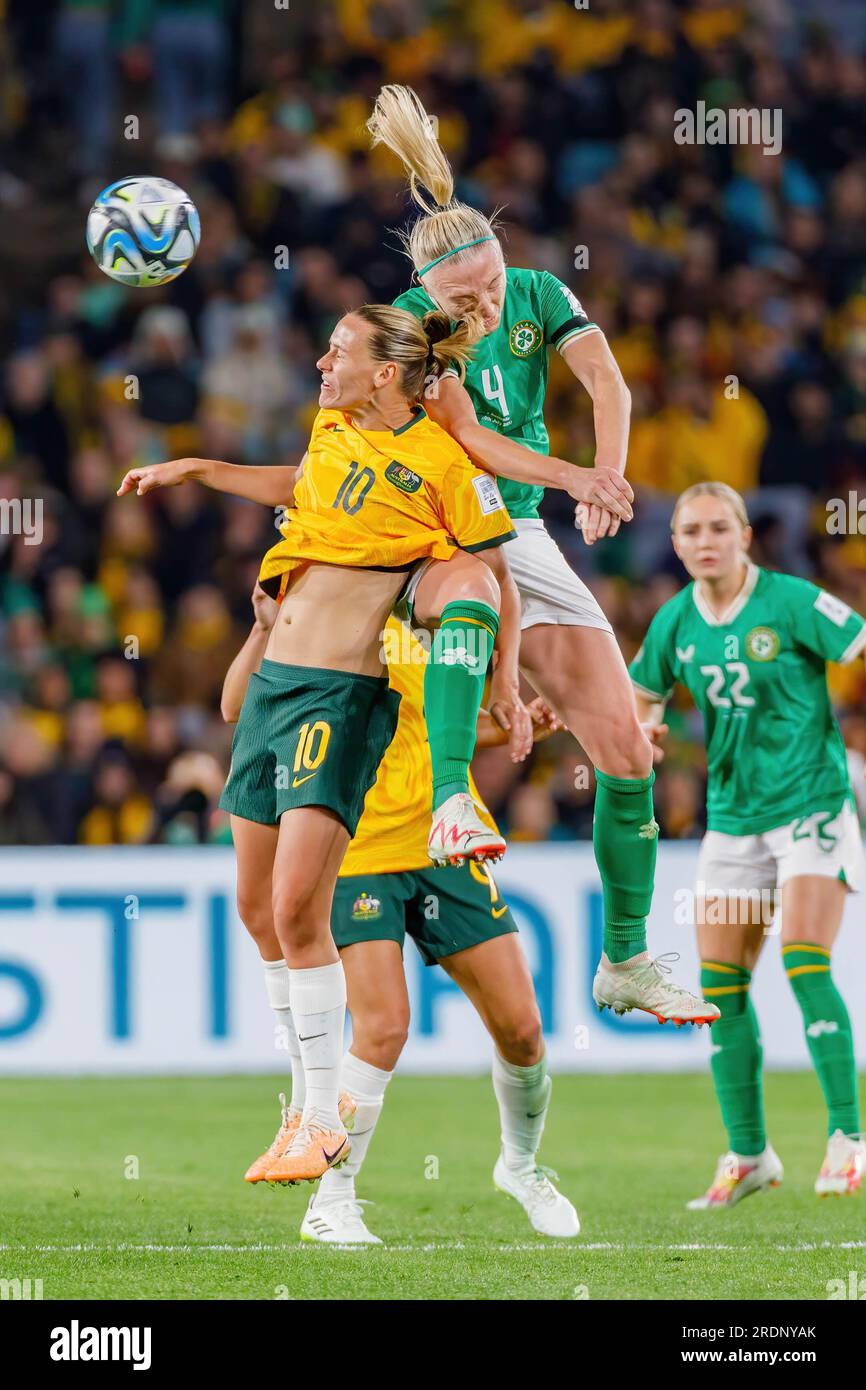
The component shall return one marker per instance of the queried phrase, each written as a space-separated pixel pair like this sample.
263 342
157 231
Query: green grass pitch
629 1151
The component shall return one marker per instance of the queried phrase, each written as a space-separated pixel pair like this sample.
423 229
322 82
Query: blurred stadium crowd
732 286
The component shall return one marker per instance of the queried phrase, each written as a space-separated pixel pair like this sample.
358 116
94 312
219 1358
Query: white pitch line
514 1248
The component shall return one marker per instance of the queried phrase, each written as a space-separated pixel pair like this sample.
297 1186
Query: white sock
523 1094
366 1085
285 1038
318 1003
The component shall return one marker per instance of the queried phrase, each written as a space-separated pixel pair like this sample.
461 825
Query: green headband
464 246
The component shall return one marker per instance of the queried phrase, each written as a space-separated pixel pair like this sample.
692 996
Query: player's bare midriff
333 617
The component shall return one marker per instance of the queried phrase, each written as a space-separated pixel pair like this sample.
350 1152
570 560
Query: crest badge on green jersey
524 338
403 477
762 644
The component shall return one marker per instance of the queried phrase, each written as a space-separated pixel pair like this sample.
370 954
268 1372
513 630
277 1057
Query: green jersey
758 677
507 376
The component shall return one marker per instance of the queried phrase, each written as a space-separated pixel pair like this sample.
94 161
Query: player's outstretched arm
249 657
272 486
592 362
450 405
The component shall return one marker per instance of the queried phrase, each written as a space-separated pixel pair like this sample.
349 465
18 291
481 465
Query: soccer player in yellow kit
380 489
457 918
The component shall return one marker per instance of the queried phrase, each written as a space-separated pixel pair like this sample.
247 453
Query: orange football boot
291 1119
312 1150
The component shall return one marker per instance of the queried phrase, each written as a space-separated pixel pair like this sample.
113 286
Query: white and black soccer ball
143 231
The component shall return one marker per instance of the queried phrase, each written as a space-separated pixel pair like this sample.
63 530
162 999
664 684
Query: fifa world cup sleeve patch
489 499
574 303
833 608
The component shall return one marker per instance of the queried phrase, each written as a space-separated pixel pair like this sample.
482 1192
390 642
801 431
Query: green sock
453 687
828 1032
736 1056
625 837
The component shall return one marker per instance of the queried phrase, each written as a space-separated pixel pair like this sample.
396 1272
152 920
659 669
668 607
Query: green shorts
443 910
308 737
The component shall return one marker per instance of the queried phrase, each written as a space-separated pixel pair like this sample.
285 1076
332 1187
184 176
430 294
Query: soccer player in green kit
752 646
568 651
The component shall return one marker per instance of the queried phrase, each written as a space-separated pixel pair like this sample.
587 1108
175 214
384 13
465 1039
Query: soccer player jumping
752 646
568 651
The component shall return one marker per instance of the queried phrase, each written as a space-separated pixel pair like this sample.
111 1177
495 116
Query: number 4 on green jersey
507 375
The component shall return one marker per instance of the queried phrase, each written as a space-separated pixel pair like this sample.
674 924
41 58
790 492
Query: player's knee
625 751
474 582
294 915
381 1037
519 1038
488 590
256 914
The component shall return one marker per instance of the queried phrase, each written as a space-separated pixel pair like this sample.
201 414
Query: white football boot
640 983
843 1167
338 1221
549 1212
737 1177
458 833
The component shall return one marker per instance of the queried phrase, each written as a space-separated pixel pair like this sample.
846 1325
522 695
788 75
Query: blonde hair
712 489
418 346
400 121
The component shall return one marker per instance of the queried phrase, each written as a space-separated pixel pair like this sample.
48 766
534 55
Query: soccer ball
143 231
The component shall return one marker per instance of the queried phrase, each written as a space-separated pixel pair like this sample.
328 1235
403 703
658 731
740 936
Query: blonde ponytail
447 349
447 229
400 122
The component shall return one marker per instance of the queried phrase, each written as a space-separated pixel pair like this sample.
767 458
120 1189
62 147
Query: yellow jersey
382 499
392 833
